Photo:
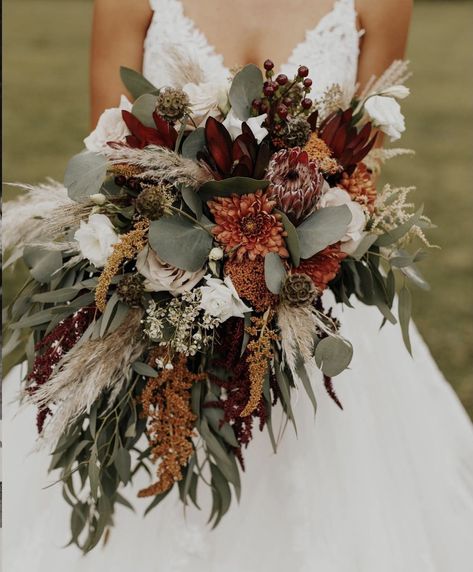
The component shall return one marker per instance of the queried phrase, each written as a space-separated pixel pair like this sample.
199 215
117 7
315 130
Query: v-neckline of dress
216 53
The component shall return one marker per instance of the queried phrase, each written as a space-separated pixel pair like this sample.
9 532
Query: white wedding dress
384 486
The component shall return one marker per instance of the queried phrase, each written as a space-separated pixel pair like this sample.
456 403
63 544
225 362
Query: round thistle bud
130 289
297 132
152 202
298 290
172 104
303 71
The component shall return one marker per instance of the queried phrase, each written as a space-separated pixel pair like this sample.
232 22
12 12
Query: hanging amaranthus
130 244
166 404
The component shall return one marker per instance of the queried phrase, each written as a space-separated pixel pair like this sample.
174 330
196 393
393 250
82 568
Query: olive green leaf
274 272
143 109
247 85
231 186
85 174
333 355
136 83
323 228
404 312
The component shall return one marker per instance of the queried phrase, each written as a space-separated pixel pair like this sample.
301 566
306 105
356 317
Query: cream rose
385 112
221 300
96 239
334 197
110 127
162 277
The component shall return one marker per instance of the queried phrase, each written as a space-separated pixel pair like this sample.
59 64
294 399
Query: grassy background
46 117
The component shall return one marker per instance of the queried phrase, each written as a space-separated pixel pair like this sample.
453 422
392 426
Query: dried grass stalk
162 165
182 67
298 329
396 74
86 372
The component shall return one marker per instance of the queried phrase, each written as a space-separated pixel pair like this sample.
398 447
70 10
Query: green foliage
247 85
322 228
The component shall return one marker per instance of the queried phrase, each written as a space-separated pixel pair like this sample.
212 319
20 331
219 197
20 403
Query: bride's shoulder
133 10
375 12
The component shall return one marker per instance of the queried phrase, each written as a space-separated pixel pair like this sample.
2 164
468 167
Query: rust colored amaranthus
360 186
258 358
248 278
247 226
130 244
166 403
323 267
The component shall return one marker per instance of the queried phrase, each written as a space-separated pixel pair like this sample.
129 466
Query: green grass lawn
46 118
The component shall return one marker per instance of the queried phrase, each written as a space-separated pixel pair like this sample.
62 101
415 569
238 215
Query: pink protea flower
246 225
296 183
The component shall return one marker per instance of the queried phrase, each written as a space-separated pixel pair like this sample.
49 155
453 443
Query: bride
385 485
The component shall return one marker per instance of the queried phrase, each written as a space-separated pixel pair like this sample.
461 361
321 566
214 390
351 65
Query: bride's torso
330 49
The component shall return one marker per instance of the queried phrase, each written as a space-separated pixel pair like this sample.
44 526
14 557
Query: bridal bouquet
175 289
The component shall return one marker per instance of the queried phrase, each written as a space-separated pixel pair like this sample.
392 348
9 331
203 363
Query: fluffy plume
161 164
396 74
298 328
182 67
34 215
88 370
380 155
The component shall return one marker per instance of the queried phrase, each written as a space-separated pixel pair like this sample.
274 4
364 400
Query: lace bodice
330 49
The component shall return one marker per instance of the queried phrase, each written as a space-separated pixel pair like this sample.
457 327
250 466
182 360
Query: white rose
335 197
162 277
233 125
207 99
221 300
385 112
396 91
96 239
110 127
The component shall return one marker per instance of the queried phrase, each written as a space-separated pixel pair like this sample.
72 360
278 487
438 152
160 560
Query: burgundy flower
296 183
164 135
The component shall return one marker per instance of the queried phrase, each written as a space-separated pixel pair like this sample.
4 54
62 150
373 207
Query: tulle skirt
384 485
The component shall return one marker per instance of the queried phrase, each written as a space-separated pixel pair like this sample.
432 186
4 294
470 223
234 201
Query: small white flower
233 125
207 99
99 199
169 366
96 239
110 127
385 112
221 300
334 197
216 253
396 91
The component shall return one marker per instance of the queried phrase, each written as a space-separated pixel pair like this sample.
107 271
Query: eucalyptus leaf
123 464
194 143
42 263
292 239
247 85
323 228
157 499
274 272
414 275
56 296
304 377
180 242
405 310
333 355
143 109
231 186
85 175
366 243
144 369
136 83
193 201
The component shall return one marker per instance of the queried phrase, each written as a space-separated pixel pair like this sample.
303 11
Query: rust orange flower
247 226
323 266
360 186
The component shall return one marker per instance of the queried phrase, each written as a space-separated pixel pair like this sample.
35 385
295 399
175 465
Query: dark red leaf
219 144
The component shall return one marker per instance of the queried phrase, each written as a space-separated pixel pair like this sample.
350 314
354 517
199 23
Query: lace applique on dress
330 49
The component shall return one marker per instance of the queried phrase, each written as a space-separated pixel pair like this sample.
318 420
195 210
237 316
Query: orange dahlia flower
360 186
247 226
323 267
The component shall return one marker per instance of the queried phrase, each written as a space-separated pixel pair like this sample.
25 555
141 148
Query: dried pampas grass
161 164
298 328
396 74
181 66
380 155
86 372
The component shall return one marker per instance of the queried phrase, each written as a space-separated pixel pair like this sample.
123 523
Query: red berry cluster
282 98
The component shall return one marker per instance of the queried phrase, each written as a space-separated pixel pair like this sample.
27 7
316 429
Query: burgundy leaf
219 144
